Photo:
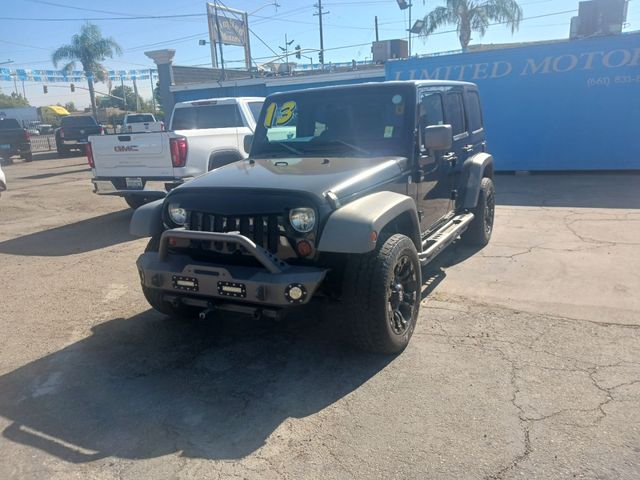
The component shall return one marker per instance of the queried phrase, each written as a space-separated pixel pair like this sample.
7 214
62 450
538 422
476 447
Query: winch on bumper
275 283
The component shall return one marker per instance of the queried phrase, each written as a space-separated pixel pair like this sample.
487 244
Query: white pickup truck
141 123
203 135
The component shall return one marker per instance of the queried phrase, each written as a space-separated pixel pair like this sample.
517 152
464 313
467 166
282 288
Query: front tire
154 296
479 232
28 157
381 294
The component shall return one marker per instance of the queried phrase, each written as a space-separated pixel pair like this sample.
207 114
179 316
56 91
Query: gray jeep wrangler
347 191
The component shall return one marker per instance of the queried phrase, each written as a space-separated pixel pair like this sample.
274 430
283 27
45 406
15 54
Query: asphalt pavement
525 362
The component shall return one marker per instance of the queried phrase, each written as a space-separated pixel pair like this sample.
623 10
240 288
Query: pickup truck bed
205 134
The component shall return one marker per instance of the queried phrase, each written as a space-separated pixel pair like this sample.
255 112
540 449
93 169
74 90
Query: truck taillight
178 147
27 135
61 132
101 130
89 151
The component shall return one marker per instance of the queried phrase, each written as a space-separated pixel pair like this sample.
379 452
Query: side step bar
444 237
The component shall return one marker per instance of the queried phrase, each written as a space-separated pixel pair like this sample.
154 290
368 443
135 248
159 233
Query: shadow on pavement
55 174
579 190
148 386
87 235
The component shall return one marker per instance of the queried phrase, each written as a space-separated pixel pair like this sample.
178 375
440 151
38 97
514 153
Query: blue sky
29 43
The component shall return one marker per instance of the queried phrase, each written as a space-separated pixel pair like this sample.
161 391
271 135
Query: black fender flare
349 228
147 220
474 169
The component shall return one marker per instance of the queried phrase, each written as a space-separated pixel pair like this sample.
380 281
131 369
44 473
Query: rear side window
206 116
431 109
255 108
474 111
139 118
455 112
78 122
8 123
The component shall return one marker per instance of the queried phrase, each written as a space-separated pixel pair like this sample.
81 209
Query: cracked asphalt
525 362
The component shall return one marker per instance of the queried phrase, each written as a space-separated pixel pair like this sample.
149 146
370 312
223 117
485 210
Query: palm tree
89 48
473 16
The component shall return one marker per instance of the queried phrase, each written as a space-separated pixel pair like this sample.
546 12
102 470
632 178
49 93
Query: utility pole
215 9
124 95
135 91
319 14
24 92
285 49
377 38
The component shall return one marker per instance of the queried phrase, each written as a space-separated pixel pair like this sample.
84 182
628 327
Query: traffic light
321 56
73 87
45 89
298 55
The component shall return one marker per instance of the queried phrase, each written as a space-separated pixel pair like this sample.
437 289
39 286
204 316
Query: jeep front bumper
275 283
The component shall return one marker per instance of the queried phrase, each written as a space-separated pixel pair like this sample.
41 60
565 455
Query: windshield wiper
291 149
350 145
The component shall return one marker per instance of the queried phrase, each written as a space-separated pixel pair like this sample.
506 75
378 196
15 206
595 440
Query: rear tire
381 295
28 157
154 296
479 232
135 201
62 151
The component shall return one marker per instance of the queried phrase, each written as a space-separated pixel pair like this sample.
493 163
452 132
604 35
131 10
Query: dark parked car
347 191
14 140
74 132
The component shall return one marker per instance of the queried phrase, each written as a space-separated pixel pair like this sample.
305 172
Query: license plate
5 146
134 183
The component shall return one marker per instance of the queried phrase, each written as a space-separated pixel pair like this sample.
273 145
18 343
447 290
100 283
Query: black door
433 191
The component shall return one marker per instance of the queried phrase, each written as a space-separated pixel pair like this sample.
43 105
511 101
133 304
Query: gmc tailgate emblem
126 148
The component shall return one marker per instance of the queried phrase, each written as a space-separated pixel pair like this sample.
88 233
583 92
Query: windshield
8 123
78 122
353 121
206 116
140 118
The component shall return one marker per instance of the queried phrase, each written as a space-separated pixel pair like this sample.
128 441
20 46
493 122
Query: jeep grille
264 230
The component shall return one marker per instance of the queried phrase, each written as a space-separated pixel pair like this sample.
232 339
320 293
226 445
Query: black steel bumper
274 284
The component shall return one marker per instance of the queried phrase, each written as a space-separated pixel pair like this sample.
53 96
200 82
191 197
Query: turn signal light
304 248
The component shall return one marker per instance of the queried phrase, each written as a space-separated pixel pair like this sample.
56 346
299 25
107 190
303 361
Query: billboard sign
233 28
566 105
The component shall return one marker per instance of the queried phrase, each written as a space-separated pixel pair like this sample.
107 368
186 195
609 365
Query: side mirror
437 137
248 140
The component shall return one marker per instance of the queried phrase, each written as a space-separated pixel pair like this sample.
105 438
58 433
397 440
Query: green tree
12 101
129 94
473 16
70 107
89 48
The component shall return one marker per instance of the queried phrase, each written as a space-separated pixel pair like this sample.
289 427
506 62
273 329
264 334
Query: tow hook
203 314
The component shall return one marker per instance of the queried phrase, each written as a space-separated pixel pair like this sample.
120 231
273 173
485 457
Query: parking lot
525 362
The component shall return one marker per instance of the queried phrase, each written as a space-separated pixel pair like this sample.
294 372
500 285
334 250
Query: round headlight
176 214
302 219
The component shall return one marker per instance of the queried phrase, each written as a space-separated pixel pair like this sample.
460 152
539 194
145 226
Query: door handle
468 148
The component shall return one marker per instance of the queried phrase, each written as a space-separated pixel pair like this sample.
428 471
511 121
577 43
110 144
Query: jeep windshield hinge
333 199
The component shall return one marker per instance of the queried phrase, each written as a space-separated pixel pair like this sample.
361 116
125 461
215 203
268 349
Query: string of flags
8 74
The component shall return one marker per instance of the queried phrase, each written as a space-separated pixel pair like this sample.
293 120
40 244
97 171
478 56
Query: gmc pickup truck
203 135
74 132
14 140
141 123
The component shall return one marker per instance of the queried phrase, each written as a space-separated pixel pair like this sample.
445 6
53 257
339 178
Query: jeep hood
313 176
